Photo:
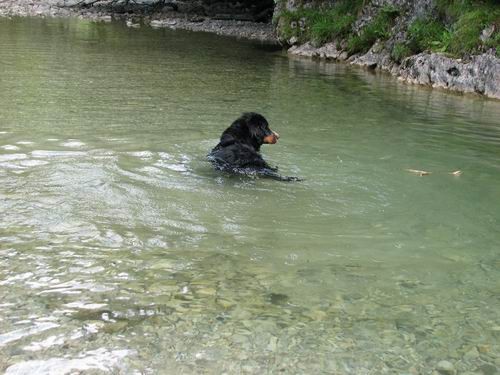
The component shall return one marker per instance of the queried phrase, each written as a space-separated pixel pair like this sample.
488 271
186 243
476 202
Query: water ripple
100 359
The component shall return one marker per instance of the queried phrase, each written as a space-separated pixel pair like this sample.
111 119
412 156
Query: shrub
426 34
400 51
494 42
466 20
321 25
467 30
379 28
331 26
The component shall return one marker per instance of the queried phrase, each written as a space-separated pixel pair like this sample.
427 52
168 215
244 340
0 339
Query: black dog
239 146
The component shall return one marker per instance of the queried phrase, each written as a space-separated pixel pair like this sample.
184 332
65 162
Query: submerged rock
277 298
488 369
445 367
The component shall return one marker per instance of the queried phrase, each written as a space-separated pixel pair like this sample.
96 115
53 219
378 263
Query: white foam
10 157
100 359
32 163
142 154
10 147
73 144
8 337
56 154
44 344
86 306
176 167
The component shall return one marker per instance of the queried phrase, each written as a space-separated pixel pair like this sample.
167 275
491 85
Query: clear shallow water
122 251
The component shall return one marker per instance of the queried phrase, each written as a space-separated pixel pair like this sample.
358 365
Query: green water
122 251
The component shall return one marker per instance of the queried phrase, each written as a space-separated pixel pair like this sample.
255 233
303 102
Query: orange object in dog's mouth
272 139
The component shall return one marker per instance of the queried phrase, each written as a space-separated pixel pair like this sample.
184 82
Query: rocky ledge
479 75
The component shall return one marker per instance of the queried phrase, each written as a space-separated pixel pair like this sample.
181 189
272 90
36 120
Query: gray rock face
481 75
376 57
243 10
328 52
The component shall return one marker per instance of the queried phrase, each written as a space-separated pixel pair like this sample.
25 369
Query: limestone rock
481 75
328 52
445 367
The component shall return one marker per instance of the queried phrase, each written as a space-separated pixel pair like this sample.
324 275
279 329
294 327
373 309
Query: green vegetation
379 28
400 52
467 30
454 27
425 34
321 25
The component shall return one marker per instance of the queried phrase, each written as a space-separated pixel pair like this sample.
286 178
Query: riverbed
122 251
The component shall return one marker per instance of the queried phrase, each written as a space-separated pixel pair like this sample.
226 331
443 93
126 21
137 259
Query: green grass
449 10
456 30
379 28
330 26
321 25
426 34
466 19
400 52
494 42
466 32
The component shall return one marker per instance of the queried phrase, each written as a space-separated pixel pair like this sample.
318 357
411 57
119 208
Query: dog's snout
276 134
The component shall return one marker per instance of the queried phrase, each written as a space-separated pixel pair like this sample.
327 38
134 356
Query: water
122 250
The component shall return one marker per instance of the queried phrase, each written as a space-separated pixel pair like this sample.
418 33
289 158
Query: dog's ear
257 125
256 132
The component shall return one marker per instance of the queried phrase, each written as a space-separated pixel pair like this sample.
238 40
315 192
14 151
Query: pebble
471 354
316 315
488 369
239 339
273 343
483 349
225 303
206 292
115 326
445 367
496 330
163 288
131 24
164 264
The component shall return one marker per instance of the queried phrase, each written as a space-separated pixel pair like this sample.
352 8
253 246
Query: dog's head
253 128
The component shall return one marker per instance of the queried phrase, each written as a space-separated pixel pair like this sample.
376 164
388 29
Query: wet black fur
239 146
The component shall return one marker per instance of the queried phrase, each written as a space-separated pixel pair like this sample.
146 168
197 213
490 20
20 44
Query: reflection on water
122 251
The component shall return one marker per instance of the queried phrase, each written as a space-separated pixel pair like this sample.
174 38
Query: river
122 251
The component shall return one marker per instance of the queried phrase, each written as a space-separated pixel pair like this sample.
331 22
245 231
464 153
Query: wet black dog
239 146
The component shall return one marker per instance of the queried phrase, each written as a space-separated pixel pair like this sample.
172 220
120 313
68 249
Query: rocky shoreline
480 75
263 32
